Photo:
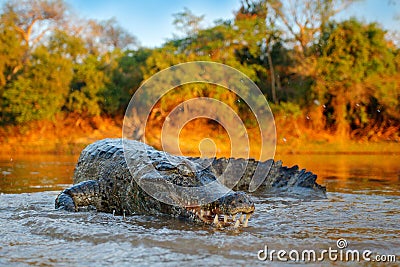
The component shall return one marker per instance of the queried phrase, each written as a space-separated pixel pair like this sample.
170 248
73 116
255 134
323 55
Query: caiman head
186 189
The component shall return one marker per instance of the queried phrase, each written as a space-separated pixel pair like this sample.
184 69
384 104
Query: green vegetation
320 76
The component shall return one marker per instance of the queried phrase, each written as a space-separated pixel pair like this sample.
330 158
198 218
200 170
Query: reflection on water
341 173
365 174
35 173
362 207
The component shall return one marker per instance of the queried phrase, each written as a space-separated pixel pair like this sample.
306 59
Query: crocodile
103 180
274 177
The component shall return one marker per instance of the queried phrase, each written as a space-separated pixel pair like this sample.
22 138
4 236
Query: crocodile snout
236 202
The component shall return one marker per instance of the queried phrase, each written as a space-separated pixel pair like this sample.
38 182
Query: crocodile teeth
201 213
234 217
225 218
237 223
248 215
241 218
216 219
247 220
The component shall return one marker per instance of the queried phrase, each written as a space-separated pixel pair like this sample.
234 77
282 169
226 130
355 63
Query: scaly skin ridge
102 179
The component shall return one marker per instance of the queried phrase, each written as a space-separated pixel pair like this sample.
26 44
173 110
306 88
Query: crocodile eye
185 170
164 166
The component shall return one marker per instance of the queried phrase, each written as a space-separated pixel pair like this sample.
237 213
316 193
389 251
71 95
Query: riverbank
69 135
63 135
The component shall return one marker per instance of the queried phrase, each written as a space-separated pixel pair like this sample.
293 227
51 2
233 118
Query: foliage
125 76
354 77
187 22
40 91
339 77
287 109
12 50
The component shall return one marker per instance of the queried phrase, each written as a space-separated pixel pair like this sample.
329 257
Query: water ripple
33 233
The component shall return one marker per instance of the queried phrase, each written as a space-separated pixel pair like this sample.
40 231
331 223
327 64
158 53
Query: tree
261 35
125 76
302 24
115 37
102 37
27 89
87 84
40 91
353 76
305 20
34 18
12 50
187 22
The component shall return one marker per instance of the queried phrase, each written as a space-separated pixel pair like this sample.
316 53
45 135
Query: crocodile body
103 180
275 177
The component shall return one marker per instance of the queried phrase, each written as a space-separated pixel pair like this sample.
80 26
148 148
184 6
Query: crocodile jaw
233 209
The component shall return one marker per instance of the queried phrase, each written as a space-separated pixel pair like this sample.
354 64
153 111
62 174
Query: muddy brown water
363 208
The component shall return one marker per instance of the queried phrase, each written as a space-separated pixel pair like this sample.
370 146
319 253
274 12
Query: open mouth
219 219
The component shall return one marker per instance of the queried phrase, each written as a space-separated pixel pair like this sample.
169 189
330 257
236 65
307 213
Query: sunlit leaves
339 77
40 91
355 74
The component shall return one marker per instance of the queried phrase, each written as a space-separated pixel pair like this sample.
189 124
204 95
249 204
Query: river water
362 209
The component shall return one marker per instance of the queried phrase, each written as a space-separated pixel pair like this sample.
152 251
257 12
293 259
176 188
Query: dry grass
65 135
70 134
